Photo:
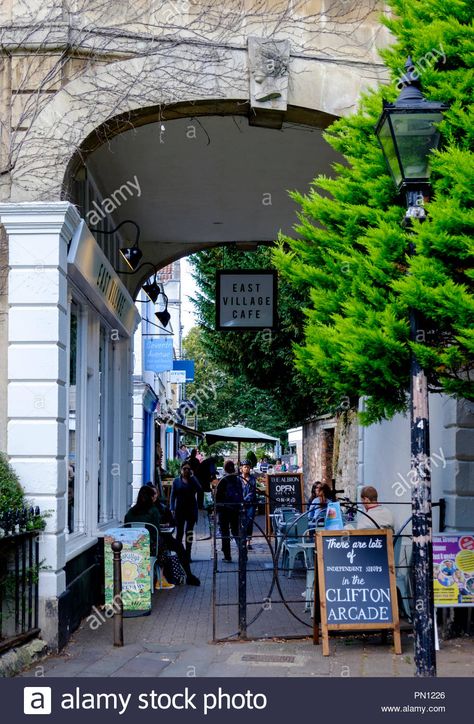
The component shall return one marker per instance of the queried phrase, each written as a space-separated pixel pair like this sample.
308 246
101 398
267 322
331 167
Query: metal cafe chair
281 518
403 562
294 543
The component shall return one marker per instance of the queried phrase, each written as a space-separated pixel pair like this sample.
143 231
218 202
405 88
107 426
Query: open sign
285 489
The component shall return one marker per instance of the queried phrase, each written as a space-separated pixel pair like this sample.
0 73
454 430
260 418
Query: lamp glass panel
416 136
388 146
161 303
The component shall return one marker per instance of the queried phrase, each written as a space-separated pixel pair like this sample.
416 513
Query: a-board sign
357 588
284 489
453 569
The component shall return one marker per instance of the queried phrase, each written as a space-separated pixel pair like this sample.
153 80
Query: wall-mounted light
152 290
131 254
162 315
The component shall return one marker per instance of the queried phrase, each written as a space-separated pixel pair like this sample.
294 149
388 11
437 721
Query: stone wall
346 454
330 451
318 447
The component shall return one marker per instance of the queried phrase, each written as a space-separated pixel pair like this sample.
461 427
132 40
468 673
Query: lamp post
407 132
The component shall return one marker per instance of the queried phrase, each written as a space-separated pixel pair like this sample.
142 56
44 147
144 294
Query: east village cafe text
245 306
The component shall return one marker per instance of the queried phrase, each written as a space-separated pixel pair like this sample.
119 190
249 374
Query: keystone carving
269 62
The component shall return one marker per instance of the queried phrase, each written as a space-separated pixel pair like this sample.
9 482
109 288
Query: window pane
386 141
417 135
101 424
72 418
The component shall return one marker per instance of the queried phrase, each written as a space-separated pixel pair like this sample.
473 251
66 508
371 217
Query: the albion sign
246 299
283 490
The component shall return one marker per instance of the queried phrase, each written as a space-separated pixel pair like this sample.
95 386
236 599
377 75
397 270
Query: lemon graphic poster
136 579
453 570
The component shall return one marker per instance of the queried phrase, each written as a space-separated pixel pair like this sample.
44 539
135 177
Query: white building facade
70 327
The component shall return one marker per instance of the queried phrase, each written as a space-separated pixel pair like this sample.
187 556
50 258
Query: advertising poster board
356 576
136 586
453 570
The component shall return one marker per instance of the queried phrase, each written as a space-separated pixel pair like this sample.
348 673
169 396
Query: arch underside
211 176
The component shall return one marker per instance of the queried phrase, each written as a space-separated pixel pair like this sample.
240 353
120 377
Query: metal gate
266 592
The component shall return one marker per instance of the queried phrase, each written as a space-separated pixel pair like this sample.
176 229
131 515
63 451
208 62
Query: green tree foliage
260 362
224 400
11 492
351 252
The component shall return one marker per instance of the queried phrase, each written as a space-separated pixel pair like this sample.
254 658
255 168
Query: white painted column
38 234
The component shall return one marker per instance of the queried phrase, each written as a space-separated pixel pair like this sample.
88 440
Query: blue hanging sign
187 365
158 354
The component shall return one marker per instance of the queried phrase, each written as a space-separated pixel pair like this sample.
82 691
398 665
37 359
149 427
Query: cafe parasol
238 434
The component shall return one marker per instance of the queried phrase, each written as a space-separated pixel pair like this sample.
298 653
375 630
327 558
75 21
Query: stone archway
124 94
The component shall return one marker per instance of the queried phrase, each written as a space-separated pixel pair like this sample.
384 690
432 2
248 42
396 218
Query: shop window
105 429
73 452
101 426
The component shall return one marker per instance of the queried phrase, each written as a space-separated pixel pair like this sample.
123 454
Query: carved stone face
269 63
269 66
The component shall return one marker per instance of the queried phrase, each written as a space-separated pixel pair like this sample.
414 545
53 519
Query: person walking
199 455
206 473
184 505
193 461
229 502
249 492
183 453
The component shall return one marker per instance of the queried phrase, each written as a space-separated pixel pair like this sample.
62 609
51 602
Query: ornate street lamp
408 132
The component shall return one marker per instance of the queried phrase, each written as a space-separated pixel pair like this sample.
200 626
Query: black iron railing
19 573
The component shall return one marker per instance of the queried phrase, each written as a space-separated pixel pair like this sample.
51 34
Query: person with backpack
229 502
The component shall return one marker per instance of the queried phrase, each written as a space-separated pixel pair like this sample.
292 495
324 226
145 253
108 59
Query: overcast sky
188 285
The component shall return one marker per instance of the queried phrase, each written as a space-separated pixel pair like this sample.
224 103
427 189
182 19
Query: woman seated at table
314 495
317 508
147 510
144 511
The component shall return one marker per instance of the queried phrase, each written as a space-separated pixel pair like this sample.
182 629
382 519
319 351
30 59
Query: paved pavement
176 639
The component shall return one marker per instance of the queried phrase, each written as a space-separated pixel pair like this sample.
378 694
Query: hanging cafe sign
246 299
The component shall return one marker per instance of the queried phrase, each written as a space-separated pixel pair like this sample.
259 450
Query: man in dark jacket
249 489
229 501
